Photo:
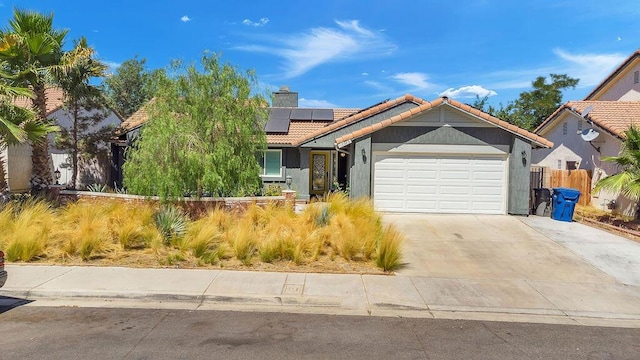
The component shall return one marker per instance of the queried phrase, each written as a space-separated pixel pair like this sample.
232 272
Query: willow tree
204 134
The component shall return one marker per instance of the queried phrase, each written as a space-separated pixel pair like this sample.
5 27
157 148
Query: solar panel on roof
322 114
277 125
301 114
280 113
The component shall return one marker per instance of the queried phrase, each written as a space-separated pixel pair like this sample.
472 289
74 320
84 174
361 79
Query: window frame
264 163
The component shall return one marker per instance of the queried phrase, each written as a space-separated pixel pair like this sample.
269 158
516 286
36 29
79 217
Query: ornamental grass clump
388 255
86 232
26 234
133 226
204 238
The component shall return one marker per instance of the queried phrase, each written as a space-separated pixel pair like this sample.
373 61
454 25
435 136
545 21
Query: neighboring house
18 158
610 109
408 154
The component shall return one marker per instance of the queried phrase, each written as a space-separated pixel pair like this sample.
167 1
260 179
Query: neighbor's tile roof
55 100
613 116
631 59
422 106
136 119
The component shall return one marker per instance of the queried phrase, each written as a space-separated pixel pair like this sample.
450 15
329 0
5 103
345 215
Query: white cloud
112 65
313 103
591 69
262 22
378 86
185 19
415 79
305 51
365 74
468 92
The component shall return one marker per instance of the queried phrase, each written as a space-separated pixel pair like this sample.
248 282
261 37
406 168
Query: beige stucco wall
624 88
571 147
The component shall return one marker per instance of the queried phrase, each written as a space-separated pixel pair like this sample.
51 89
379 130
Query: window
572 165
564 128
559 164
636 77
272 163
579 125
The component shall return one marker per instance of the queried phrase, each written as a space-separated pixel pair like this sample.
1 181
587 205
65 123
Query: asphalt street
31 332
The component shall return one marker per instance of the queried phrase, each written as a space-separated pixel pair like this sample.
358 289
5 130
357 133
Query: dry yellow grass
338 235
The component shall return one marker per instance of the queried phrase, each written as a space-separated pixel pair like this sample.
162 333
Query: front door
319 172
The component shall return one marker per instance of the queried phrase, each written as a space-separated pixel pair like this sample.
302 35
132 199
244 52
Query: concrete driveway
520 265
488 247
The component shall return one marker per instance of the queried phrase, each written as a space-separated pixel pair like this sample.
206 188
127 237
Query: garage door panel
422 174
417 190
429 183
422 205
487 191
455 190
455 175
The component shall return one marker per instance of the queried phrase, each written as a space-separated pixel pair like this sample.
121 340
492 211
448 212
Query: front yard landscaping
619 224
338 235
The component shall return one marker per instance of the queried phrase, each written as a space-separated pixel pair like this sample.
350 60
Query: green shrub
273 190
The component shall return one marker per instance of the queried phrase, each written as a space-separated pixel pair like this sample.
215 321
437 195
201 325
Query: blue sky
356 53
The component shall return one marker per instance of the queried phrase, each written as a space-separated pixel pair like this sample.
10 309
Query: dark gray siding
442 135
360 174
295 163
519 177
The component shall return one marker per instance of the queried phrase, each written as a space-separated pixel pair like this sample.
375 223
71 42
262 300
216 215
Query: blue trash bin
564 203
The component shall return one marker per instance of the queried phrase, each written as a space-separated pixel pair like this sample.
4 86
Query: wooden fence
576 179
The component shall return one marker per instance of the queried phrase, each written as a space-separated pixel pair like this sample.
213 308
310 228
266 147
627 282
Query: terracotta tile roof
613 116
297 130
55 99
136 119
341 113
426 105
616 72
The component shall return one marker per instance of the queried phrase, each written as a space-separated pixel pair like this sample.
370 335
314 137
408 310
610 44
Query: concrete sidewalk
612 303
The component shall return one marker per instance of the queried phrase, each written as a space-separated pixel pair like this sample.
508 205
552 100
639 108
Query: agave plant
171 222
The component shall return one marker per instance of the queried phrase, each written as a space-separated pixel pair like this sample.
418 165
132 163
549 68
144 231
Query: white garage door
440 184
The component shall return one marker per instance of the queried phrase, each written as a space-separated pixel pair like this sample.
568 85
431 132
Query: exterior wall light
288 181
57 175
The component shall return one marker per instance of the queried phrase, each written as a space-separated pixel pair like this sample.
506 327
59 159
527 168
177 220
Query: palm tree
77 68
17 125
30 48
627 181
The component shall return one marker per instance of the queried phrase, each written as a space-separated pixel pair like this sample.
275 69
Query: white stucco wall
623 88
571 147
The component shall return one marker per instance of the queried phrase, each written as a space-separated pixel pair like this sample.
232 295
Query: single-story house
586 131
18 157
408 154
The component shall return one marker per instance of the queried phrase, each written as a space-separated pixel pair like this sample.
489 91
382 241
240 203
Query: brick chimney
285 98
